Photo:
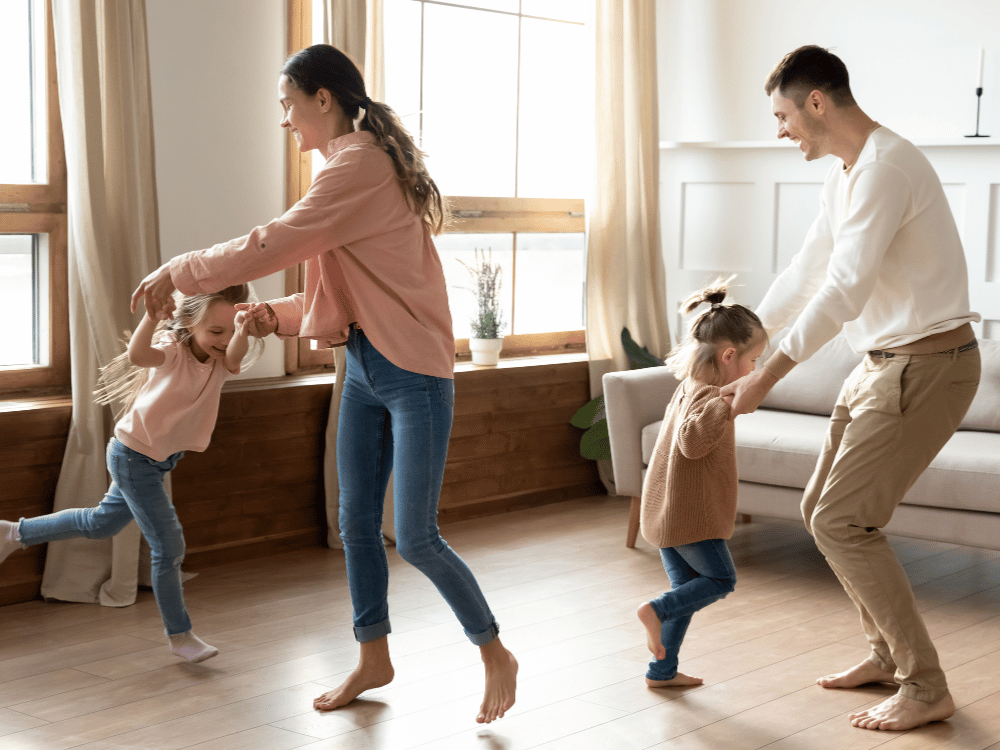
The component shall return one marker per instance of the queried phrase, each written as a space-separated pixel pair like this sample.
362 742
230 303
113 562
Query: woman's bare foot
649 620
899 713
374 670
501 681
859 674
680 680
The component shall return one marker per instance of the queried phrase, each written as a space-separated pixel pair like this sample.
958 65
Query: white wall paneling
991 329
796 206
714 217
993 240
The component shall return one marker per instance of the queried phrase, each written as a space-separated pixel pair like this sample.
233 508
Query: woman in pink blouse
373 281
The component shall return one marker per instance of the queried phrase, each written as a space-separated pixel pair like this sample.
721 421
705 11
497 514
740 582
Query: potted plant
486 342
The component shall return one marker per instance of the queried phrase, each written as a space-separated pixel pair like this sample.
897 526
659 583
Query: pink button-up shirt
368 259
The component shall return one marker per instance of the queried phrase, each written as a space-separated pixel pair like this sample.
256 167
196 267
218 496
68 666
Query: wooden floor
564 590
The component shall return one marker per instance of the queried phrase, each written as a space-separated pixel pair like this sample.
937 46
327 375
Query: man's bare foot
899 713
373 671
649 620
501 682
860 674
680 680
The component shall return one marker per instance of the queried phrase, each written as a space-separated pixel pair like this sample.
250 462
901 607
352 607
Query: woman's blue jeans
700 573
391 418
137 493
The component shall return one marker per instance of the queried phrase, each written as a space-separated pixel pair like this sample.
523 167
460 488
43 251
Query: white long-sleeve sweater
883 260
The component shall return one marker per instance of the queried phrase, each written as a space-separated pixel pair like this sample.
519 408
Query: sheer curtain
355 28
626 284
104 94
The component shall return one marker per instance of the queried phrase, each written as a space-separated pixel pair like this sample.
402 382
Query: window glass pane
17 292
548 293
22 88
507 5
564 10
402 61
470 98
552 146
455 247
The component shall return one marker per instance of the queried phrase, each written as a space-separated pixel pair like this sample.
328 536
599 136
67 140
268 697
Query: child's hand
242 321
261 320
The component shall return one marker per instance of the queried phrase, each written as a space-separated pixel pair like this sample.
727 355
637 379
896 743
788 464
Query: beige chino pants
892 417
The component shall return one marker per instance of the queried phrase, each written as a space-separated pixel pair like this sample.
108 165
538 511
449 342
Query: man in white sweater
883 262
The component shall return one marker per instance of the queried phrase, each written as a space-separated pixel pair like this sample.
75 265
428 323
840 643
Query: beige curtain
103 70
626 285
355 28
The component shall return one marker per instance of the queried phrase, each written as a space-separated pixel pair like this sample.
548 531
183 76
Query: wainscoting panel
714 225
795 207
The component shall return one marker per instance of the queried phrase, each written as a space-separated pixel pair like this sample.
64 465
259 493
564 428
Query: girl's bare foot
501 681
649 620
860 674
374 670
680 680
899 713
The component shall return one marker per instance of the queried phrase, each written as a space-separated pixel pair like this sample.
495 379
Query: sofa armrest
632 400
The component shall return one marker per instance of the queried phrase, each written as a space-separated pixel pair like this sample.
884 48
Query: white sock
191 647
10 540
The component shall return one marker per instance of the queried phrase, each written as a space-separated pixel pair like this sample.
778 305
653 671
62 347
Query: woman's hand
157 289
261 320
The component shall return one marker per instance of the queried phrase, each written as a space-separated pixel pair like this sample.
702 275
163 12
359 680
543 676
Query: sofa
956 500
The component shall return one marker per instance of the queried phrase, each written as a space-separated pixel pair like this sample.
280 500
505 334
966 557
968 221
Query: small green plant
486 278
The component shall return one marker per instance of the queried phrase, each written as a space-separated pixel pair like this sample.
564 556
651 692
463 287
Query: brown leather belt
936 343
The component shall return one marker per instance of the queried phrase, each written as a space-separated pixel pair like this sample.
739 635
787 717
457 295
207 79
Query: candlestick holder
979 99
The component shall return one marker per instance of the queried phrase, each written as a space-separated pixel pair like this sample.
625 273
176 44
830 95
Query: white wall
220 165
746 209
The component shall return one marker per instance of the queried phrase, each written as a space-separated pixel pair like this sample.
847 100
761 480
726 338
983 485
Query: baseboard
519 501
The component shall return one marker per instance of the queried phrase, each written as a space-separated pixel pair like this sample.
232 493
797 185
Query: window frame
467 215
40 208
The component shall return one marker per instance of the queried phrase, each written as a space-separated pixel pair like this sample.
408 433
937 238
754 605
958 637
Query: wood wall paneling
258 489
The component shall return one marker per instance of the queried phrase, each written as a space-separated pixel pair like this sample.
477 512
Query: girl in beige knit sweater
689 494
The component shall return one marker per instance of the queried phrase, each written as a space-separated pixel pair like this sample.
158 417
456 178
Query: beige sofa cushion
812 386
984 414
778 447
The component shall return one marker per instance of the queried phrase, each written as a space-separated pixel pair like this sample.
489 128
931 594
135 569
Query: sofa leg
633 523
746 518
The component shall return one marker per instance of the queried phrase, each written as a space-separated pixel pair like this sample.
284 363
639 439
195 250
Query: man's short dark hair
806 69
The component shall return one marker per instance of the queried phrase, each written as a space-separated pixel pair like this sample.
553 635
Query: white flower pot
485 351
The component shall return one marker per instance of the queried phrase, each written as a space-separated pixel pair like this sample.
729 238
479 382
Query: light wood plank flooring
564 590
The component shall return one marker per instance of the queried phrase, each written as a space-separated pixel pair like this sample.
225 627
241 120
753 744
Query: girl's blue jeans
391 418
700 573
137 493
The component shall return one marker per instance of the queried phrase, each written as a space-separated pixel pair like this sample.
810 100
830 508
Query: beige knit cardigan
689 493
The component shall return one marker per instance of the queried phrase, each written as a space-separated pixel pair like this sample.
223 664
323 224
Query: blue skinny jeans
390 417
137 493
700 573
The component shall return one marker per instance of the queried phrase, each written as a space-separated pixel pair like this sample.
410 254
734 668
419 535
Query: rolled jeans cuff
879 663
487 636
372 632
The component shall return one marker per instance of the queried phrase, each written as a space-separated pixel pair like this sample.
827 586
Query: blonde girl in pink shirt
373 282
169 381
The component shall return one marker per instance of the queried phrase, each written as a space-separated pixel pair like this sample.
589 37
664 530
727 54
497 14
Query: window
493 91
34 341
496 92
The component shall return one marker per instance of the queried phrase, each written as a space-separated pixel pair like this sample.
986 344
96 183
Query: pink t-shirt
177 405
368 259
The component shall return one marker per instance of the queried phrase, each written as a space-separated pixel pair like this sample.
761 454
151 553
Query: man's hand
261 320
747 392
157 289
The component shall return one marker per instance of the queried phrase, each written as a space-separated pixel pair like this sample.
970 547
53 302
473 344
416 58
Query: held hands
260 318
239 343
745 394
157 291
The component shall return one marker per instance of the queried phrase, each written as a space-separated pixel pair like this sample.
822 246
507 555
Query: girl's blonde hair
733 323
322 66
120 380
